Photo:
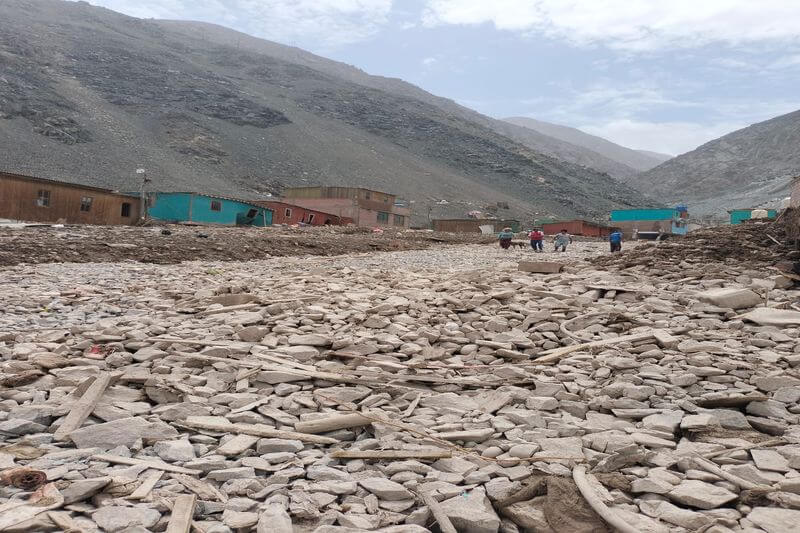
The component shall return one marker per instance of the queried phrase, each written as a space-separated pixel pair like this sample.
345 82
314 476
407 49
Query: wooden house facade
31 199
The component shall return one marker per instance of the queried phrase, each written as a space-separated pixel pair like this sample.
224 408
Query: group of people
561 240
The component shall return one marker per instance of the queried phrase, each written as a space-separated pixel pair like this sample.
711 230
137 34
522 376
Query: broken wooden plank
332 423
445 525
595 502
258 430
551 356
182 513
392 454
143 490
83 407
205 491
540 267
64 520
157 465
229 309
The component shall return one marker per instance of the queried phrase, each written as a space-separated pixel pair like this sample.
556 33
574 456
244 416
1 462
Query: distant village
41 200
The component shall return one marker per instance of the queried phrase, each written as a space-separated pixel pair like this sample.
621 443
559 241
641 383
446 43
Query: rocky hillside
636 160
746 168
87 94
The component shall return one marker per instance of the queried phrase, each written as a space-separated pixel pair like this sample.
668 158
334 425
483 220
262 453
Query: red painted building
577 227
286 213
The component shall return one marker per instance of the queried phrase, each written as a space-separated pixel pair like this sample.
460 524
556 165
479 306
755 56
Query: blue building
740 215
651 222
205 209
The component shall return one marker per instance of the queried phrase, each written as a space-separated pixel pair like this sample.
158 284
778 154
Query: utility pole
143 194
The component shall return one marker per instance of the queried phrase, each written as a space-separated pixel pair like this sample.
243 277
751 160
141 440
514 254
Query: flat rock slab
731 298
701 495
121 432
116 518
774 520
386 489
472 513
541 267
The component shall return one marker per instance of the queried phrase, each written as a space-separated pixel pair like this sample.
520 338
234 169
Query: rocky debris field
758 244
402 392
174 243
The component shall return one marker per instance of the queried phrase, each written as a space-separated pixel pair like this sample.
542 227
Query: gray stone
77 491
238 519
312 339
20 426
116 518
122 432
731 298
175 450
773 520
472 513
274 519
386 489
701 495
770 460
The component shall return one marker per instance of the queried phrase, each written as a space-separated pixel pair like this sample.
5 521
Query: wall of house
577 227
626 215
629 228
351 209
186 207
19 201
740 215
298 214
795 201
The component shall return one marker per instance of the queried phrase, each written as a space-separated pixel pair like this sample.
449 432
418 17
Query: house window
86 203
252 213
310 218
383 218
287 213
399 220
126 210
43 200
216 206
367 195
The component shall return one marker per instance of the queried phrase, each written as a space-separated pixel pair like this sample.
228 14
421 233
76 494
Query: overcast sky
648 74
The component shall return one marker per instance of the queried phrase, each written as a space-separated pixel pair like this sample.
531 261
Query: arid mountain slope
746 168
636 159
90 95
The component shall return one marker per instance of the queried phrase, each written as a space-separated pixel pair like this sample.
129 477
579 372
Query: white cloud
637 25
667 137
429 61
326 22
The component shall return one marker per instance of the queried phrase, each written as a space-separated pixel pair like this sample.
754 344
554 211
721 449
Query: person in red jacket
537 238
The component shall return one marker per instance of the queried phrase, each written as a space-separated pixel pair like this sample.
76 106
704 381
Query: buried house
205 209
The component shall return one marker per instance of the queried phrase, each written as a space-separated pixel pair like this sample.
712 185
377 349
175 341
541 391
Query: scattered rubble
401 392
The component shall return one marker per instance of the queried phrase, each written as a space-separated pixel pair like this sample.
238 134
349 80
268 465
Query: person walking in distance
537 239
505 238
616 240
561 241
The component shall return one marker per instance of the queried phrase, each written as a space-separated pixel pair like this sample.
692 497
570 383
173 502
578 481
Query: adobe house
32 199
365 207
583 228
288 213
474 225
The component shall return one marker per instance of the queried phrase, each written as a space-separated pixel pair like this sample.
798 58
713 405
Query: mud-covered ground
103 244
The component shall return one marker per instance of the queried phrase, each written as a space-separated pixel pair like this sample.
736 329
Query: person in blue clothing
616 240
505 238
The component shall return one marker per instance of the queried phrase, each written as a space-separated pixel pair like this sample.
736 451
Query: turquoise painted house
740 215
660 220
206 209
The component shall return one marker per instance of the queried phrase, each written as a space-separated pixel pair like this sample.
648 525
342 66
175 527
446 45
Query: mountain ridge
754 165
636 159
95 94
